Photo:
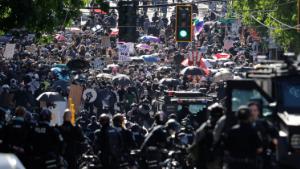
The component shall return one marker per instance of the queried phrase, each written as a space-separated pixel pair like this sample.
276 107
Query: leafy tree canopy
38 16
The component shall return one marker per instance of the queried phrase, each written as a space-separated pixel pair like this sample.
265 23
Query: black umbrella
169 82
77 64
121 79
50 97
164 68
192 70
61 83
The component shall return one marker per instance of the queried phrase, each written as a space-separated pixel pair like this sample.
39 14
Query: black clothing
15 138
242 143
73 137
47 143
108 142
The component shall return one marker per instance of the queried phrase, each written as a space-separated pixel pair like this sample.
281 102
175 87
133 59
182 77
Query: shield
50 97
104 76
89 95
78 64
121 80
192 70
223 76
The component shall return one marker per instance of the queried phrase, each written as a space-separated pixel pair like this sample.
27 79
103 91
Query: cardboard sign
123 51
9 51
105 42
76 93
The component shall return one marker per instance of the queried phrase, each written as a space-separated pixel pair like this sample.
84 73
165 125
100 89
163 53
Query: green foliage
38 15
274 14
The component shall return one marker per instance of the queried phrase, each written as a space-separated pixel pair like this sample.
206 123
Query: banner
76 94
9 51
123 52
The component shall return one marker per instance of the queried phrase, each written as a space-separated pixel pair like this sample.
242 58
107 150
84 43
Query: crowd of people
124 127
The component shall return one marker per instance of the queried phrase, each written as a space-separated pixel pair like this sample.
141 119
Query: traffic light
183 23
127 21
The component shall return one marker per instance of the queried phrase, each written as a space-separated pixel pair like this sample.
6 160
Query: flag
203 66
198 25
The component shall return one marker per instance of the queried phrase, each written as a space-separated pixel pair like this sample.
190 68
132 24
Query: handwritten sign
9 51
123 51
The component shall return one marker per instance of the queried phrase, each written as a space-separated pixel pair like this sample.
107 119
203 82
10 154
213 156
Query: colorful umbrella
60 37
143 46
150 58
99 11
114 32
149 38
219 56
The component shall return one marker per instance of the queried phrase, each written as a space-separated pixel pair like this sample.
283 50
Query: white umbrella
104 76
223 76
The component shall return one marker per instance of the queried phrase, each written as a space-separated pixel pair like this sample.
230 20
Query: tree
277 16
38 15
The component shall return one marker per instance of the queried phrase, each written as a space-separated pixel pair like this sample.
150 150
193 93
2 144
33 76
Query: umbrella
149 38
60 37
137 60
169 82
114 32
76 64
143 46
223 76
99 11
164 68
111 66
61 83
121 79
50 97
192 70
150 58
104 76
74 30
219 56
230 63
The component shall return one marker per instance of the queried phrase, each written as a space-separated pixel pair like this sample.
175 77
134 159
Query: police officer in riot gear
73 139
202 151
242 143
46 143
16 135
108 143
267 133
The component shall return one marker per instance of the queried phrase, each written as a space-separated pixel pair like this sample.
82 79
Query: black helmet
45 115
104 119
243 113
172 124
216 110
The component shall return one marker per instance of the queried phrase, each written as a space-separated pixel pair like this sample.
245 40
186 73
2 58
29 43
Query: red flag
203 66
